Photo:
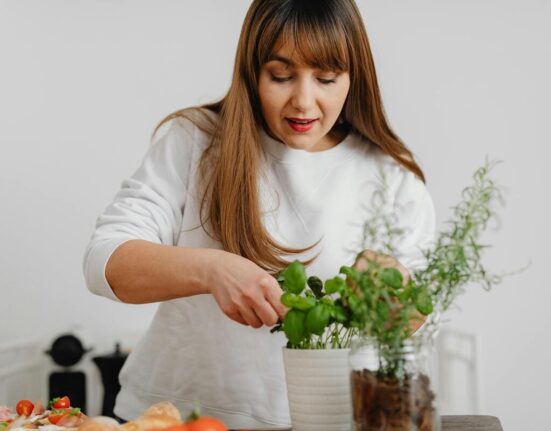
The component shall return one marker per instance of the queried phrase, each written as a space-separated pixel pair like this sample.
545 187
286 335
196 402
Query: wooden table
463 423
468 423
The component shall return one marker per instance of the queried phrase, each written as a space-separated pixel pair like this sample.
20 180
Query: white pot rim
322 353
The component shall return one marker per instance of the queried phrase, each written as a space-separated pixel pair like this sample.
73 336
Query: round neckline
285 154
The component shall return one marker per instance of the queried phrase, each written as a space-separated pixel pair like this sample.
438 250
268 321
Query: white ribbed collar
284 154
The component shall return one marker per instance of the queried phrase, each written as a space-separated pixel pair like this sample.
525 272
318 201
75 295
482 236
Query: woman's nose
303 97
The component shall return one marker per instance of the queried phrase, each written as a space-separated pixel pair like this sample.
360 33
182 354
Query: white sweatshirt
192 353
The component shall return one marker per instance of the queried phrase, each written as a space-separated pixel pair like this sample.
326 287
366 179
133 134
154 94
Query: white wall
83 83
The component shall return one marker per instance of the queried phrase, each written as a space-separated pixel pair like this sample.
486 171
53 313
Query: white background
83 83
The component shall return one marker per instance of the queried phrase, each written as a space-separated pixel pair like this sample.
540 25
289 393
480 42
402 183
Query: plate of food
60 415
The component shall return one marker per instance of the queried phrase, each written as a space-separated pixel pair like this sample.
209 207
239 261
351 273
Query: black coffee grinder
66 351
109 366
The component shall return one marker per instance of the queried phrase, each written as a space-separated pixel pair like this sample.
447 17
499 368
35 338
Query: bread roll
163 409
99 423
150 422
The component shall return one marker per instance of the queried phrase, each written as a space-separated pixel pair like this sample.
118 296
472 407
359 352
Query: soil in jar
382 403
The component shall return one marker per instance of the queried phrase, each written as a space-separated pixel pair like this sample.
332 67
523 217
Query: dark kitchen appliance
66 351
109 367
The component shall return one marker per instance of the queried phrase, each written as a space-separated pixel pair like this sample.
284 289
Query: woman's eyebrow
287 61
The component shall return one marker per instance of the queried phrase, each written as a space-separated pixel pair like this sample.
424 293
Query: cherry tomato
182 427
24 408
206 423
61 403
56 416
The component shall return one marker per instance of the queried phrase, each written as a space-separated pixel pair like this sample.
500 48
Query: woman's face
292 93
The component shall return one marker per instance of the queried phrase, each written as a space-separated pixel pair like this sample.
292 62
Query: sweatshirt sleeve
416 217
148 206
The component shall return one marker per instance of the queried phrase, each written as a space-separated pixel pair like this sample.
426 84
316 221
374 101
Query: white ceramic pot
318 387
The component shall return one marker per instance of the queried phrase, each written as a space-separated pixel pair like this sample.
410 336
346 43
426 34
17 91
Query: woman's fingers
245 292
266 313
251 317
236 316
260 305
258 310
272 294
255 317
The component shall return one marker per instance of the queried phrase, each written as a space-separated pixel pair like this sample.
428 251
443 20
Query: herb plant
375 301
315 320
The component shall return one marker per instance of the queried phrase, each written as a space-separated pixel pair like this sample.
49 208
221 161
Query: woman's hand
244 292
386 261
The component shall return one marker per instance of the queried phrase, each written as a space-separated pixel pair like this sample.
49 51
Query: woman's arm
140 272
132 255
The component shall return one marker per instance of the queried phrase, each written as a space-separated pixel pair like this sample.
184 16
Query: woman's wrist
206 261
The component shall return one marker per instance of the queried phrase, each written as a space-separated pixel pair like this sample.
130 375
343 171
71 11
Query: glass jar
394 389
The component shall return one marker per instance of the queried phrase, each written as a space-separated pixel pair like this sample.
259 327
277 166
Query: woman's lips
301 125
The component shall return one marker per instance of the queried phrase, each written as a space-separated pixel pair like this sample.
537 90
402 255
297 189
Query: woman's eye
280 79
288 78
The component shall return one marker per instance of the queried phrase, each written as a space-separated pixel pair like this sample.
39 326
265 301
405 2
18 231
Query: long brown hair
328 34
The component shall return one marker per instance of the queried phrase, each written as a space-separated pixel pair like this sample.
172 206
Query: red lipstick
300 125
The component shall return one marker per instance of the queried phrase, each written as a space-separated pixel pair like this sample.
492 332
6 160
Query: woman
234 190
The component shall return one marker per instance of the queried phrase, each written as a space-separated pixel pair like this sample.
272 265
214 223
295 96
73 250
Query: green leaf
291 300
354 302
334 285
294 277
356 306
338 313
405 294
327 300
293 326
366 283
316 285
194 414
317 319
383 311
391 277
349 272
423 302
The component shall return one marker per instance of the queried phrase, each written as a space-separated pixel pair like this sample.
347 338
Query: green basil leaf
316 285
293 326
294 277
317 319
338 313
334 285
349 272
327 300
291 300
354 302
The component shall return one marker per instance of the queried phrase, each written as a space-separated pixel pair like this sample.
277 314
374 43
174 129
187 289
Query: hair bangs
314 37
